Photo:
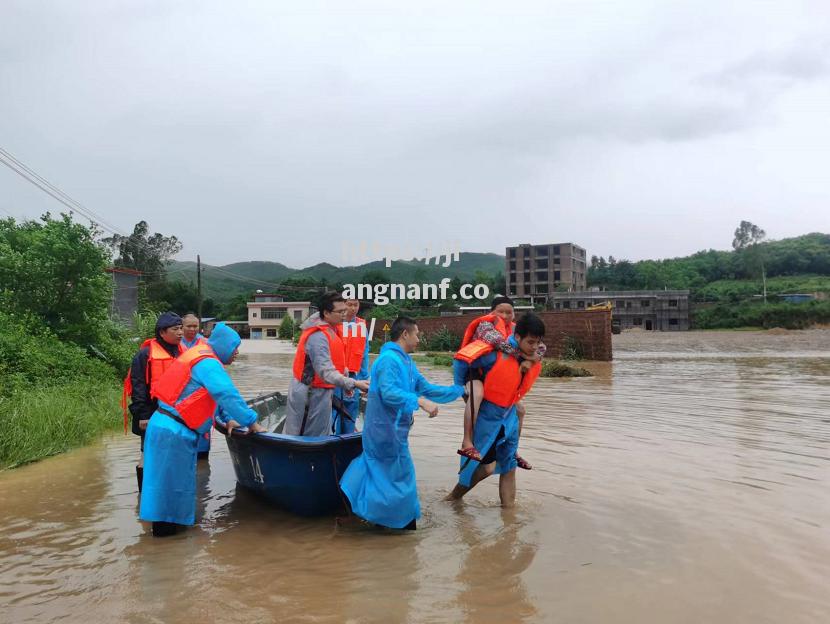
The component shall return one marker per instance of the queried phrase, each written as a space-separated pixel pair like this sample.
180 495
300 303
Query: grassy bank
434 359
763 315
55 395
39 422
550 368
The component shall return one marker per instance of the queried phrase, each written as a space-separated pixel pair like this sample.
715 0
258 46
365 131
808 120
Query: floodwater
688 481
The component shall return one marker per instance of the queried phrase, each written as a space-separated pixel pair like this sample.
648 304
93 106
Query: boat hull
299 474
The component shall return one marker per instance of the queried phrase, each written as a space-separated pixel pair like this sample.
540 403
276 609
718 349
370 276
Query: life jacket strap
175 417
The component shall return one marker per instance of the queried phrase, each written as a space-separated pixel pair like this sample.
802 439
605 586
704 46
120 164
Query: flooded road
688 481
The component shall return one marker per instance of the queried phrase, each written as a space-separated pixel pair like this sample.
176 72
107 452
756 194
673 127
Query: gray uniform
300 393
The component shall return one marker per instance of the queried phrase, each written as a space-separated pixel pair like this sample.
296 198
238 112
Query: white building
266 311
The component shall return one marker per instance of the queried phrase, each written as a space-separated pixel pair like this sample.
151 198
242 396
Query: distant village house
266 312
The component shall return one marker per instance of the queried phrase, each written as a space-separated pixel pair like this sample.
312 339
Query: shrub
286 330
32 355
552 368
572 349
442 340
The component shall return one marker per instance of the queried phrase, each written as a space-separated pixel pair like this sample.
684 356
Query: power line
56 193
43 184
257 282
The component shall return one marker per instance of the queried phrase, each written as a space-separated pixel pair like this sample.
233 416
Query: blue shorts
496 435
463 371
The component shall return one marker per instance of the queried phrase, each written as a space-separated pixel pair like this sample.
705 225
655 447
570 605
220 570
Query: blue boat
300 474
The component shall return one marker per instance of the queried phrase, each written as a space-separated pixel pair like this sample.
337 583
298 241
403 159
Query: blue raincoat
204 439
341 425
380 483
188 345
169 489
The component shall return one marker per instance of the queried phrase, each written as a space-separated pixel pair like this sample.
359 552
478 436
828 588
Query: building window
512 253
254 314
672 303
557 275
566 305
580 304
298 315
273 314
645 303
512 265
627 305
542 264
542 289
271 333
557 306
556 250
527 277
541 276
638 320
672 321
619 304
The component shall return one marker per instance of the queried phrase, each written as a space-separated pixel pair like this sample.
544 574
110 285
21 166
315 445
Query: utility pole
199 288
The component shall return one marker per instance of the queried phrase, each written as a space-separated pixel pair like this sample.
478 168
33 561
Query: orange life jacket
338 354
200 340
473 349
354 342
158 361
505 385
196 408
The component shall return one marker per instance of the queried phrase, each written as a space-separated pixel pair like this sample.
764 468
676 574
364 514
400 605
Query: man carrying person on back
496 430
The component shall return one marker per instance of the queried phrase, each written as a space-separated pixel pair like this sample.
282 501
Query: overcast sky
275 130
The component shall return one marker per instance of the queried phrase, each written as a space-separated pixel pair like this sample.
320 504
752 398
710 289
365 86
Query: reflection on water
687 481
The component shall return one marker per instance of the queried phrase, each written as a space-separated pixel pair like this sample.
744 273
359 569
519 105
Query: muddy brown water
688 481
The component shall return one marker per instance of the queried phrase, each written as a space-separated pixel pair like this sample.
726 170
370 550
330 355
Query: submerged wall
586 331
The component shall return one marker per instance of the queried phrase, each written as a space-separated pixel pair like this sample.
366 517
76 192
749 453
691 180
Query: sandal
470 453
523 463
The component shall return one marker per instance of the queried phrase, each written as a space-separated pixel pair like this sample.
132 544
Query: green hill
727 286
223 283
806 257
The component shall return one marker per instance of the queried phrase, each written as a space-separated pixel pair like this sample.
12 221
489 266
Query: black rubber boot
164 529
139 476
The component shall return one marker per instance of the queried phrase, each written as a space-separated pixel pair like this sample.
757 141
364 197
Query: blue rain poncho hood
224 341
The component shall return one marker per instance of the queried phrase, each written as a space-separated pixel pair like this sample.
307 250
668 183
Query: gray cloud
245 128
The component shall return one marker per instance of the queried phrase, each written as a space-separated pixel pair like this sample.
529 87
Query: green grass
552 368
44 421
763 315
739 290
434 359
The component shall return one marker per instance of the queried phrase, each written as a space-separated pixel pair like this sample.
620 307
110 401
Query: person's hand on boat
525 365
231 425
363 385
142 424
255 428
428 406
